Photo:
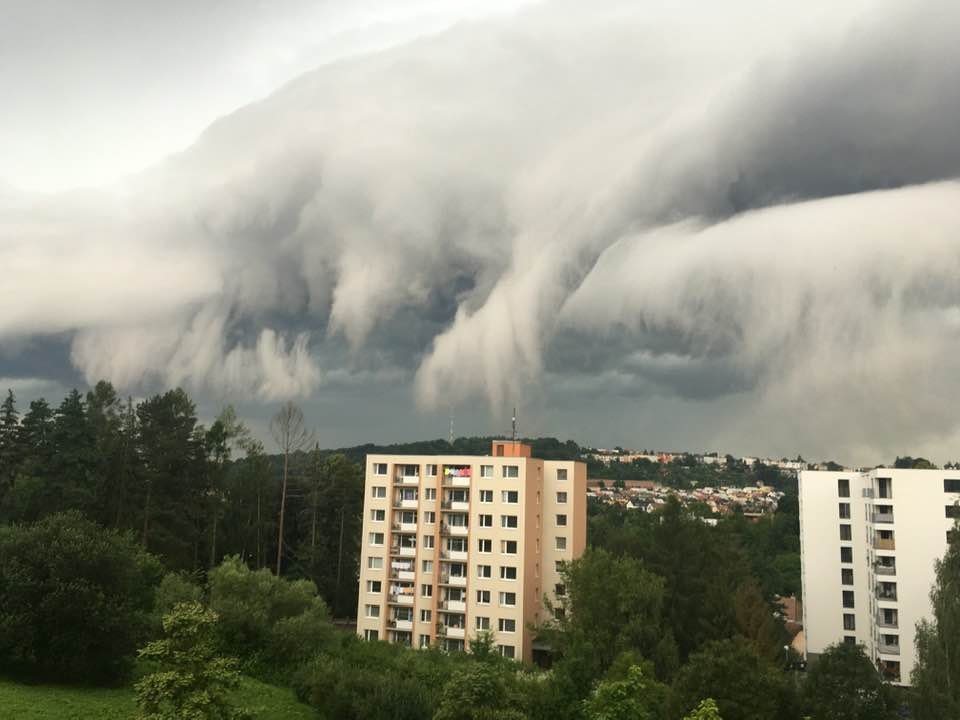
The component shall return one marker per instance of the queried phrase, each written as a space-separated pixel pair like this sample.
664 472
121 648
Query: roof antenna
514 425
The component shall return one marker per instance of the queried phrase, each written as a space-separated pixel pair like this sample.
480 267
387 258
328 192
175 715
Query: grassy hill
53 702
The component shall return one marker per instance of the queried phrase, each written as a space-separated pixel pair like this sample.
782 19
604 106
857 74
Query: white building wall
920 524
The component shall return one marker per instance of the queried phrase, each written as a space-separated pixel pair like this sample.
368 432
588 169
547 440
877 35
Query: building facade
869 541
456 545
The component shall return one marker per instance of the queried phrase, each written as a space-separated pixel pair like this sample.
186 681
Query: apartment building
868 542
453 545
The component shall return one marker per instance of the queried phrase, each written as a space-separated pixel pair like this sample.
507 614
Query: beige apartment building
454 545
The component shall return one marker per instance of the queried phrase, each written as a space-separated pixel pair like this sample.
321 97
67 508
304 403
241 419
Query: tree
936 674
9 457
706 710
191 681
744 686
480 691
844 685
75 599
757 623
636 697
291 435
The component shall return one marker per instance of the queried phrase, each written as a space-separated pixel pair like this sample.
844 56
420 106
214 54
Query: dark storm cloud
631 200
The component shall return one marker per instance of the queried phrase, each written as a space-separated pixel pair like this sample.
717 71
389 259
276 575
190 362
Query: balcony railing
889 648
885 569
456 481
404 504
453 554
457 606
884 544
408 479
886 594
882 517
881 622
403 550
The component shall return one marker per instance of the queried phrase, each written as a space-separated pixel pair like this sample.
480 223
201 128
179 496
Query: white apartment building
456 545
869 541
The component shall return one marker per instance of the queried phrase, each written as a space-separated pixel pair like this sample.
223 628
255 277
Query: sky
658 225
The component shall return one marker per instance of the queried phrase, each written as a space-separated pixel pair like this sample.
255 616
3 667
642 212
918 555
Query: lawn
53 702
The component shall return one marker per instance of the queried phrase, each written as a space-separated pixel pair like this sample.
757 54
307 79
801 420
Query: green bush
75 599
272 623
175 588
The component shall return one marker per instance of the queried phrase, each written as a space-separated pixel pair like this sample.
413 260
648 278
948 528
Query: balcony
454 580
881 622
458 606
455 481
454 555
405 575
400 599
404 504
455 505
888 648
403 551
408 479
454 632
882 517
885 569
405 527
403 625
884 544
887 594
455 530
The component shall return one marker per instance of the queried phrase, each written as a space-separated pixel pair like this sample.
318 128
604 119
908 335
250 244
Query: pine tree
9 457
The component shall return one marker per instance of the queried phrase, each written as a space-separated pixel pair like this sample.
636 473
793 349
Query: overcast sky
657 224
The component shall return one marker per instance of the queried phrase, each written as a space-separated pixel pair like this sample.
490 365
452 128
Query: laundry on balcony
456 471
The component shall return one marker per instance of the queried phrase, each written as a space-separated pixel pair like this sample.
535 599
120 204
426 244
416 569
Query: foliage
706 710
844 685
480 691
272 622
75 599
636 697
936 674
175 588
191 681
744 686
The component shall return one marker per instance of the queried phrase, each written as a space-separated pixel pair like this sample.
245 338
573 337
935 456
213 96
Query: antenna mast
514 419
451 425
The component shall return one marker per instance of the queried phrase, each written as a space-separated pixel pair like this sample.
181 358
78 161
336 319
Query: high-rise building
869 541
455 545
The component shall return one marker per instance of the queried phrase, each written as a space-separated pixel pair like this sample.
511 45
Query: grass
54 702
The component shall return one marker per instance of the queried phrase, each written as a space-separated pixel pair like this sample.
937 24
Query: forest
140 549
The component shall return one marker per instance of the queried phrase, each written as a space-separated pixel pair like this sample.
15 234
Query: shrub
191 681
75 599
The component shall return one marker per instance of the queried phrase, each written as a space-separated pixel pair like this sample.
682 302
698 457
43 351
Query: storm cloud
669 205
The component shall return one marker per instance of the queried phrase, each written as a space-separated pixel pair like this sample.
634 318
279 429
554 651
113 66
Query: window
508 599
508 521
376 538
844 511
429 517
371 635
849 640
426 590
511 471
510 496
507 625
843 488
848 598
846 554
559 613
375 562
374 586
484 545
486 471
849 621
373 611
430 493
562 474
846 533
483 597
508 573
378 491
484 571
560 590
846 576
483 623
951 486
561 543
508 547
426 616
561 520
558 565
486 496
561 498
379 468
378 515
428 542
424 641
507 651
431 471
427 566
486 520
953 511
